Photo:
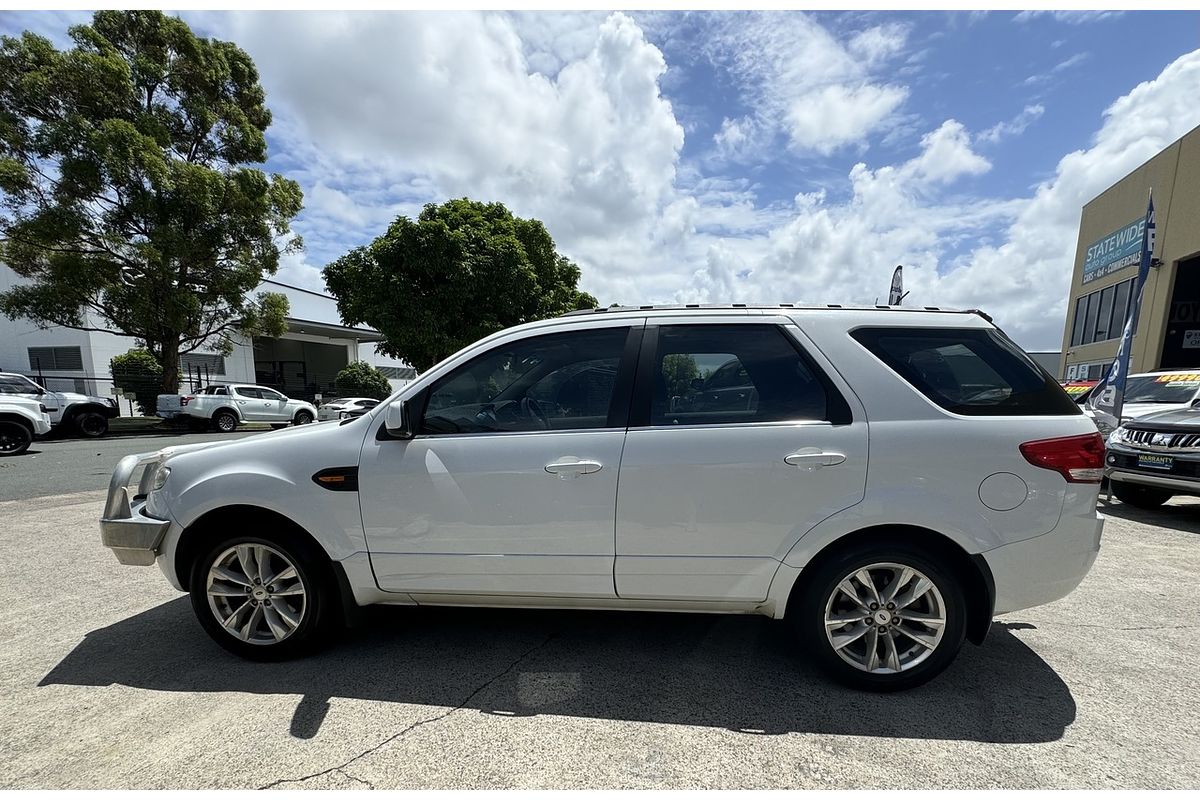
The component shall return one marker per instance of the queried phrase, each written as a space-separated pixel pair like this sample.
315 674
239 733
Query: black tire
303 417
1140 496
15 438
321 611
821 581
225 422
91 424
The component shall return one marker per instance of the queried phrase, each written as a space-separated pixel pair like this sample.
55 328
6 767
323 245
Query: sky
714 157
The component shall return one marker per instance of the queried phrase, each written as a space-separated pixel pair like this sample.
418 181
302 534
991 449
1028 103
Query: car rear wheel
15 438
91 424
263 599
1140 496
303 417
882 617
225 421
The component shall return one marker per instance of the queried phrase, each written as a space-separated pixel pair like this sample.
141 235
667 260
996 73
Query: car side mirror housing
1196 402
398 421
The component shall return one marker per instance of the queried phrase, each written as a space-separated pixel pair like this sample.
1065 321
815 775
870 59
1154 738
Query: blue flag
1109 395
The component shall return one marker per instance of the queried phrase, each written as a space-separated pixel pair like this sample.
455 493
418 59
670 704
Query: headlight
1117 435
160 478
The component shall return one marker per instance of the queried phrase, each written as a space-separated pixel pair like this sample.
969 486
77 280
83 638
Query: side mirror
1196 402
397 421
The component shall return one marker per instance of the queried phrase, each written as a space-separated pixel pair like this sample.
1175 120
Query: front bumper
1047 567
126 528
41 426
1120 463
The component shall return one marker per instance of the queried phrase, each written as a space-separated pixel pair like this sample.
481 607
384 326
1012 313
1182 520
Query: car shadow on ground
733 672
1174 515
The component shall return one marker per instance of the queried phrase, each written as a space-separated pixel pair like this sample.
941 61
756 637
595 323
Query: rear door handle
814 460
567 468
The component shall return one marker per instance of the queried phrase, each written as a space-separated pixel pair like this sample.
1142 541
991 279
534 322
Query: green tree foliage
124 199
360 379
679 370
138 373
460 271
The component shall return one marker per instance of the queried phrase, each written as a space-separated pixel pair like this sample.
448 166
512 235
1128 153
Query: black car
1151 459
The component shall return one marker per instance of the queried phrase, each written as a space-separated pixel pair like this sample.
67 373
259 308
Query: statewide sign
1120 249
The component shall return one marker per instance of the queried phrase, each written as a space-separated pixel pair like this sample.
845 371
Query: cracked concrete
111 684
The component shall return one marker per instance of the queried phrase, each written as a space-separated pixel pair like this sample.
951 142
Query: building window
203 363
54 358
1100 316
398 373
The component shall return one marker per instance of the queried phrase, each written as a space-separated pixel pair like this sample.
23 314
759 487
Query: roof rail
712 306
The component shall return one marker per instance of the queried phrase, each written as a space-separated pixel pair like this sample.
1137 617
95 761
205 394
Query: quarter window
721 374
555 382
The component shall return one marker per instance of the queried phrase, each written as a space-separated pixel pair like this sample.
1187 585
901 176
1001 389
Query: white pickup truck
224 406
85 415
21 419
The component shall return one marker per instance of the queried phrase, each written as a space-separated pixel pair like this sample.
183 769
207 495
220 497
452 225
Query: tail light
1079 459
183 401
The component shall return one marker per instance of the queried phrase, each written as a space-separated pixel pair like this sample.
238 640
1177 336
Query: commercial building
301 363
1106 264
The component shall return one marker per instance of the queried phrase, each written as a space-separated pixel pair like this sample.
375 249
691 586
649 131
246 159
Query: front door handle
568 467
814 459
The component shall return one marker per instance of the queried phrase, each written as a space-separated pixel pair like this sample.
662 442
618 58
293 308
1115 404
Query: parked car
224 406
1156 457
21 420
499 479
85 415
345 407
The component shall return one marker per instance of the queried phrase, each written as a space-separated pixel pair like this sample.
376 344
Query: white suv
885 479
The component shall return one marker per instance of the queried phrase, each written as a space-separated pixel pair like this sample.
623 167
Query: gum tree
126 202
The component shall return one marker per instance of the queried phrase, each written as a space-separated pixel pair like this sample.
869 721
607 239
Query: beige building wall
1174 175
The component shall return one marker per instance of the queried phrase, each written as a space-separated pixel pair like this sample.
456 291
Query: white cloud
800 81
1069 17
1013 127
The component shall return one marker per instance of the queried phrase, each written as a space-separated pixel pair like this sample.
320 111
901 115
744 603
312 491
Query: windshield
18 384
1175 387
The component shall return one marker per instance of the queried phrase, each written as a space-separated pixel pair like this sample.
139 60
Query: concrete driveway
108 682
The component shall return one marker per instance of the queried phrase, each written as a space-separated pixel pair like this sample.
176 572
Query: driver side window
554 382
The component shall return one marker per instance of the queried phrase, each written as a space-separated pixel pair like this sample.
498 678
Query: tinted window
268 394
1120 309
1103 320
247 391
1093 309
968 371
15 384
719 374
1080 312
368 404
559 381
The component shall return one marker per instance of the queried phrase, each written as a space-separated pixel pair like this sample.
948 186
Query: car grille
1162 440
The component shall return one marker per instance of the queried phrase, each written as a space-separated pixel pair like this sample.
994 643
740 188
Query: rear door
739 442
249 403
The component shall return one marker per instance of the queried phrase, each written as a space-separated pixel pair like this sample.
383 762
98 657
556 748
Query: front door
738 444
274 406
509 486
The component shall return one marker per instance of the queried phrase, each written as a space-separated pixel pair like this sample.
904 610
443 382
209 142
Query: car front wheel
15 438
882 617
303 417
1139 496
261 599
91 424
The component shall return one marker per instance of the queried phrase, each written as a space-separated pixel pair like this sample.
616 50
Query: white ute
225 406
587 462
21 420
81 414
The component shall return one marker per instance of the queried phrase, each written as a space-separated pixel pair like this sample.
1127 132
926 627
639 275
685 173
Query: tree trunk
169 358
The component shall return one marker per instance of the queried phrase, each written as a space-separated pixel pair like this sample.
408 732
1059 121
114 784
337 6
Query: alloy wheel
256 594
885 618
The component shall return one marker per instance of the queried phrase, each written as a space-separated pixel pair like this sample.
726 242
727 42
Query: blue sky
715 157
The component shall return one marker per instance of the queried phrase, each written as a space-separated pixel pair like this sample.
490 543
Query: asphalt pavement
107 681
59 466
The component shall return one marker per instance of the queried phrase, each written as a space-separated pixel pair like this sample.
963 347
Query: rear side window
722 374
968 371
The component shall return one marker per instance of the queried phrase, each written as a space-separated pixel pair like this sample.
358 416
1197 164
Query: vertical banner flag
1109 395
896 293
